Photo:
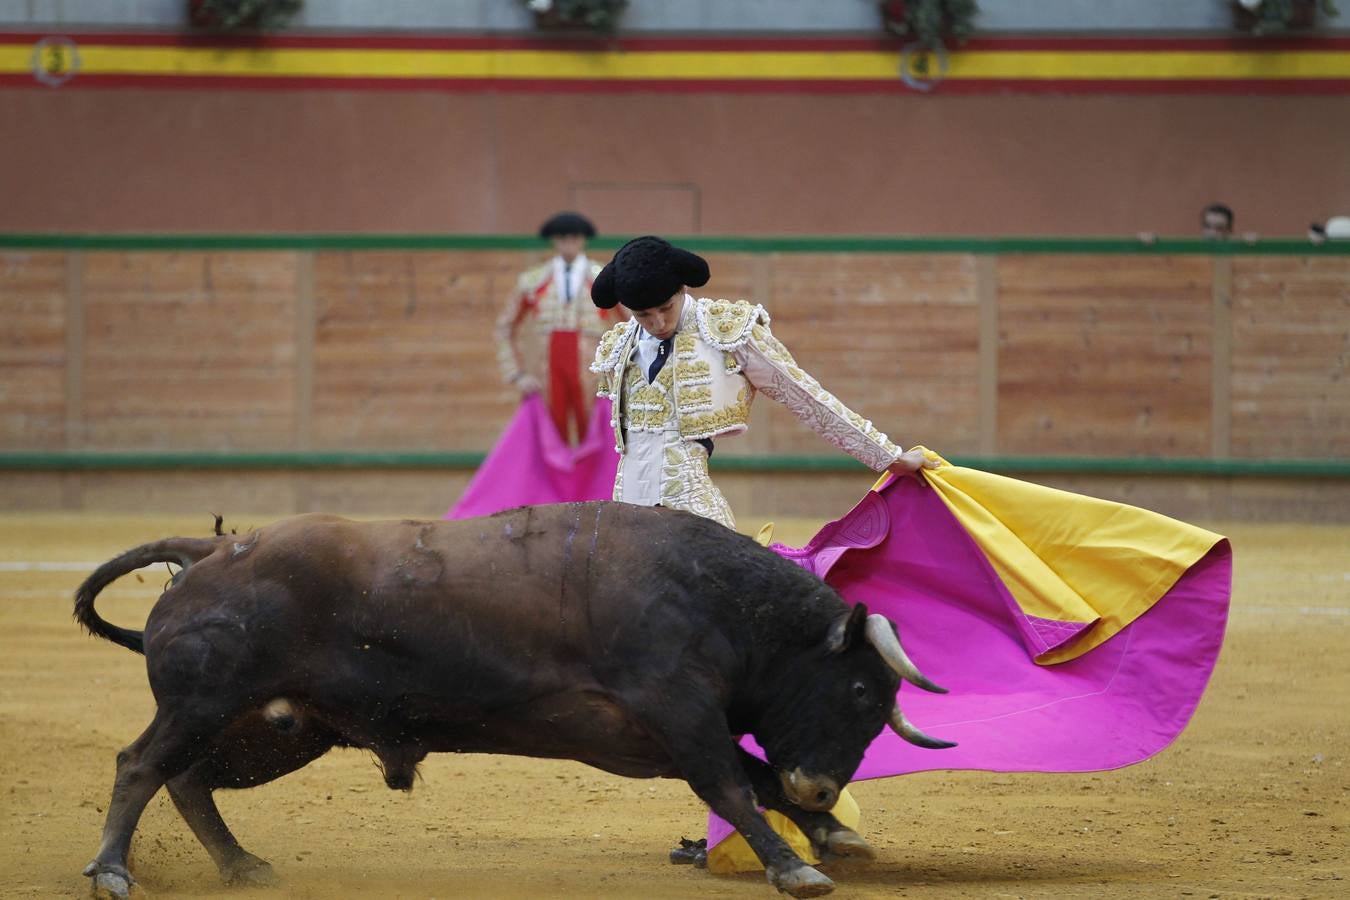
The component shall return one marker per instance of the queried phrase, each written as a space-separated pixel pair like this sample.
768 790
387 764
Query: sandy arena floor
1252 801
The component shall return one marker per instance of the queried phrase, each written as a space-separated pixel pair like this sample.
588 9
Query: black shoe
689 852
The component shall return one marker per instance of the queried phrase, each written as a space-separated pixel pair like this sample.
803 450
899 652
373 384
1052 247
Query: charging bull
637 640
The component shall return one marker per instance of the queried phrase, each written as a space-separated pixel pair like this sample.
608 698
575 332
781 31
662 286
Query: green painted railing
341 459
702 243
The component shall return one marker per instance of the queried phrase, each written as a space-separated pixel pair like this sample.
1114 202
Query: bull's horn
882 637
905 728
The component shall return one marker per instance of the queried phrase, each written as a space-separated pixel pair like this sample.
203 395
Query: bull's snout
814 793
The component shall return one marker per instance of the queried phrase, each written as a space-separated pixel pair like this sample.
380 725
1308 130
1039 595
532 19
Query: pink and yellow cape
1073 634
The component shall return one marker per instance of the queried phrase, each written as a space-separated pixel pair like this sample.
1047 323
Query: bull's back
565 592
529 585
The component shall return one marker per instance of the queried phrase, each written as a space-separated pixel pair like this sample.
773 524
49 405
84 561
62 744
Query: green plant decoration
239 15
930 22
596 15
1275 16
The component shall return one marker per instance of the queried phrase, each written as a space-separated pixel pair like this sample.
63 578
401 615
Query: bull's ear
847 629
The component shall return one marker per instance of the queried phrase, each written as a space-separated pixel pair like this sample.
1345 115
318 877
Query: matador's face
569 246
661 321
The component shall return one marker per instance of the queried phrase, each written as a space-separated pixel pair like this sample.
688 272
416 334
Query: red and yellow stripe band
69 61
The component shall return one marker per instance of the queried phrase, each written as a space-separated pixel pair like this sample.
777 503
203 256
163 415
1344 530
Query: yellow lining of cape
1067 557
734 855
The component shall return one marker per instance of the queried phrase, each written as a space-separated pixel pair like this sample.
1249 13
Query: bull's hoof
109 882
803 881
848 844
689 852
250 870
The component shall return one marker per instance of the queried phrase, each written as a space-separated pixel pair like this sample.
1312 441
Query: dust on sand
1253 800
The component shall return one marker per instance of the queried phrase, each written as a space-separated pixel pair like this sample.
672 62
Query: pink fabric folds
532 465
903 553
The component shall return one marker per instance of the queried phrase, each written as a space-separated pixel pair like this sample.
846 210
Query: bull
636 640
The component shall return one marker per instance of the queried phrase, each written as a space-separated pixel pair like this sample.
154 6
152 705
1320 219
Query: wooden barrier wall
1106 355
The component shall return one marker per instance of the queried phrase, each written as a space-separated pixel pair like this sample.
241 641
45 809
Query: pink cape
532 465
903 553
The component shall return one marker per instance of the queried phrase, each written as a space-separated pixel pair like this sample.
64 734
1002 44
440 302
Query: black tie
655 368
567 282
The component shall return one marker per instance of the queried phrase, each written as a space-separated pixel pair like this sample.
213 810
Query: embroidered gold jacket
720 363
538 300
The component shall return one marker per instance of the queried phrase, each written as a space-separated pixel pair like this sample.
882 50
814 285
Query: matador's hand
527 385
909 463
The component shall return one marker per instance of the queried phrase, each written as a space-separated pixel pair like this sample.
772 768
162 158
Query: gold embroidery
807 399
685 483
549 309
611 346
708 424
770 346
690 396
693 372
648 407
726 323
608 341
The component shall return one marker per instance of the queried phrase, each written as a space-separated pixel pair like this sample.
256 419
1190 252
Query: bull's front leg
828 836
707 758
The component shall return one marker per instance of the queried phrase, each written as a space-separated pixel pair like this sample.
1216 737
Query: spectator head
1216 222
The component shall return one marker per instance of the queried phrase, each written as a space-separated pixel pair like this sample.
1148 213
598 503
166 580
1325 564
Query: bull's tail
183 551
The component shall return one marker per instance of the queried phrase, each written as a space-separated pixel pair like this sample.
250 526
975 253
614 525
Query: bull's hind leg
164 750
192 795
198 679
251 752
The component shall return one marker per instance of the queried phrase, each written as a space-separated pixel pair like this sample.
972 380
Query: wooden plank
191 350
32 350
761 281
1104 356
895 338
304 352
403 348
1290 357
72 484
1221 359
74 419
986 288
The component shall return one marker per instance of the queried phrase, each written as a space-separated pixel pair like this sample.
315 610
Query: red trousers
567 402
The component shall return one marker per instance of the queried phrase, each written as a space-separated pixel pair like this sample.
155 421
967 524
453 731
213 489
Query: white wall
650 15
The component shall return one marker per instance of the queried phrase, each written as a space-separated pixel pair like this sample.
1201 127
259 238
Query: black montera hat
647 272
565 223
